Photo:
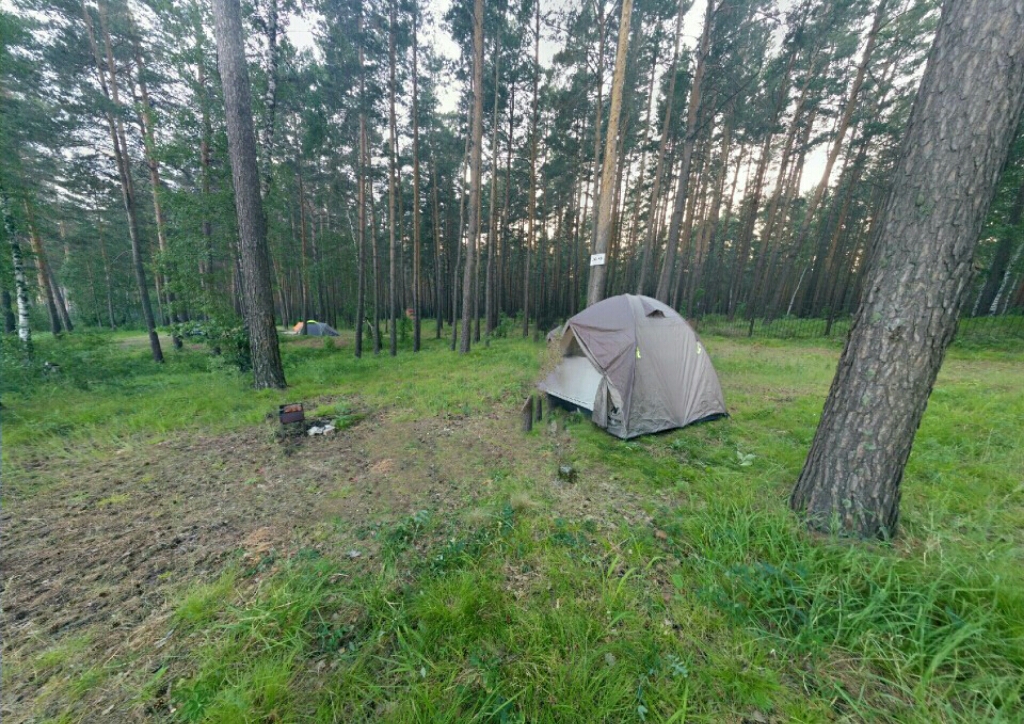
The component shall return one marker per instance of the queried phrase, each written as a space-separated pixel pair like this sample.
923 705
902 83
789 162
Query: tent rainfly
637 366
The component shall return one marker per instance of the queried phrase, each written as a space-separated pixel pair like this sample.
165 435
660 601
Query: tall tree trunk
437 248
837 146
532 205
417 303
503 231
698 279
254 258
43 272
642 180
598 108
492 234
689 140
1001 265
460 230
206 261
106 272
375 246
971 95
270 101
606 199
363 164
20 283
474 182
145 121
108 84
659 168
392 186
60 293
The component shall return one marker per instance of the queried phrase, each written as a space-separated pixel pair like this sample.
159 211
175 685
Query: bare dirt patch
98 550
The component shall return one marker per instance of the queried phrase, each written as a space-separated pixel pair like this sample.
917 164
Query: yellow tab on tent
638 353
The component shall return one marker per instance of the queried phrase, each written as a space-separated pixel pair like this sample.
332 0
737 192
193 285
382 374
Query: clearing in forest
169 556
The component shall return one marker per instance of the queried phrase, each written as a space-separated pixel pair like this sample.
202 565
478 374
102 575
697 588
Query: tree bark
43 272
532 206
492 234
417 303
477 134
957 141
254 258
362 164
20 283
606 199
392 187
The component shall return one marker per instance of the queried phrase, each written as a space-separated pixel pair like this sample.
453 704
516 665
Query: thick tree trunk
476 134
254 258
957 141
606 199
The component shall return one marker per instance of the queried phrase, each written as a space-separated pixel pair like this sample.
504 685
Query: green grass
736 612
108 392
709 604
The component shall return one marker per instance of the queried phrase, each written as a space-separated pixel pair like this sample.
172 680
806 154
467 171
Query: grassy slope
709 605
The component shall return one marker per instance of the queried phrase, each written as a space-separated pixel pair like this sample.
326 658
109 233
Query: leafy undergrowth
669 584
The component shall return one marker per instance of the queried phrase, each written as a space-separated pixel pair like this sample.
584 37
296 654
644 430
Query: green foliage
229 339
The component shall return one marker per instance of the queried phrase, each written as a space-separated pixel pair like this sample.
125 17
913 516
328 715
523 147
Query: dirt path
95 560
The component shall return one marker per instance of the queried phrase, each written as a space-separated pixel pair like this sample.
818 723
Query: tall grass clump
932 642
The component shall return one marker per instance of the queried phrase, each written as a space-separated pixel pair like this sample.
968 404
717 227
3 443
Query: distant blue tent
313 328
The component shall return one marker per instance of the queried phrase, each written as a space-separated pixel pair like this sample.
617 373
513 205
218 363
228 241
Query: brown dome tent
637 366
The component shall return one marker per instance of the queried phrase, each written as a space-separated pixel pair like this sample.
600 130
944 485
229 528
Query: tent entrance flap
574 380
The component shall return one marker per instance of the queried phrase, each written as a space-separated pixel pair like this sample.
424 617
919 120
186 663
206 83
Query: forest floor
168 554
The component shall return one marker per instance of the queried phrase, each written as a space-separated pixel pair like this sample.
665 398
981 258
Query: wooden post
528 414
540 408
